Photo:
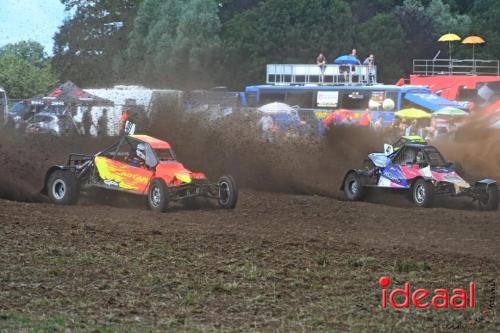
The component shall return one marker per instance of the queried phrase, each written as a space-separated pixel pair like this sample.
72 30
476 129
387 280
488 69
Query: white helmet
140 151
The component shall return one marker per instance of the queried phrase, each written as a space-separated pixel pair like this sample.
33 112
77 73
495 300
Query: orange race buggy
155 174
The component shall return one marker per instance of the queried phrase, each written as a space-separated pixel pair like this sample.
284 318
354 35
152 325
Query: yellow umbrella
449 38
473 40
413 113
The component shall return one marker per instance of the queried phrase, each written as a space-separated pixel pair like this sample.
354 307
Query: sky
36 20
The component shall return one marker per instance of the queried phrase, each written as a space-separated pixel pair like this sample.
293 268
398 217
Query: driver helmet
420 157
140 151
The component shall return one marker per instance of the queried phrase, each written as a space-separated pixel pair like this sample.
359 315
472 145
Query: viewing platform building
331 74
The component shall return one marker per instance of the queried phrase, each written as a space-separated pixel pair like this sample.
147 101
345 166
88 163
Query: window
266 98
406 156
466 94
303 99
20 108
165 154
354 100
434 157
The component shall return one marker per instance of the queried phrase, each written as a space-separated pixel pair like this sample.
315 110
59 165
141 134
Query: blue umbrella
347 59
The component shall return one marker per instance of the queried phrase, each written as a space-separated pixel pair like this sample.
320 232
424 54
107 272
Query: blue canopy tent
431 102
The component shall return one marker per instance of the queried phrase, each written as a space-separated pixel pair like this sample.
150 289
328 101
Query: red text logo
422 298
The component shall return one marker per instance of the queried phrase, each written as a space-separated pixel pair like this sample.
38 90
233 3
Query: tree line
190 44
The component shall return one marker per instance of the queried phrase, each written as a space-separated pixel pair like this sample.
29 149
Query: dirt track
278 262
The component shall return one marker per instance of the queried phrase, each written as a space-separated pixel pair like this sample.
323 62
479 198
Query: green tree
281 31
175 43
25 70
423 25
383 36
90 44
30 51
485 23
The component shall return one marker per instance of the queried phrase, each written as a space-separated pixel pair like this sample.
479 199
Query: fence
456 67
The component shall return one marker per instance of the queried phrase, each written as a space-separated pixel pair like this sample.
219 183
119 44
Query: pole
473 59
449 53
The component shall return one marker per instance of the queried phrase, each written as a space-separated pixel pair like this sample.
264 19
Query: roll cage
126 148
407 155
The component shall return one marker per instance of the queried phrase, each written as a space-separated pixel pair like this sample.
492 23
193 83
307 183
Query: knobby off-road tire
228 192
491 199
423 193
353 188
63 187
158 196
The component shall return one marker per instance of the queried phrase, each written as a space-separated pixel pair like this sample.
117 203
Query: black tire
490 201
353 188
228 192
158 196
423 193
63 187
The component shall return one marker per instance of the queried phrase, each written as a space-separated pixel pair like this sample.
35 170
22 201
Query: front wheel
489 200
423 193
158 196
353 188
228 192
63 187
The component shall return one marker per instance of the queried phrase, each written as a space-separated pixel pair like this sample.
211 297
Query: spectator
102 123
412 128
321 62
365 118
393 129
87 121
345 69
266 125
354 54
123 120
370 62
379 123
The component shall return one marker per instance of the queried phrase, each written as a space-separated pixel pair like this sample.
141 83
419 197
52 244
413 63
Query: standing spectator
266 125
123 120
394 129
379 123
370 62
102 123
321 62
412 128
87 121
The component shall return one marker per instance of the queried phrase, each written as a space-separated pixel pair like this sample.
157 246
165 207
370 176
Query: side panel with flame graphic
123 176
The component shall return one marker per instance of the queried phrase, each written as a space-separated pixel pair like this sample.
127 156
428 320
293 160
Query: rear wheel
158 196
63 187
489 201
353 188
423 193
228 192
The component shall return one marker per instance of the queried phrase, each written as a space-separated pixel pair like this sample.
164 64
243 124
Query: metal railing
331 74
456 67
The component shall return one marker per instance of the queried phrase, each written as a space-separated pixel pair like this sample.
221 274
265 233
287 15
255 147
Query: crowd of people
429 129
345 68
